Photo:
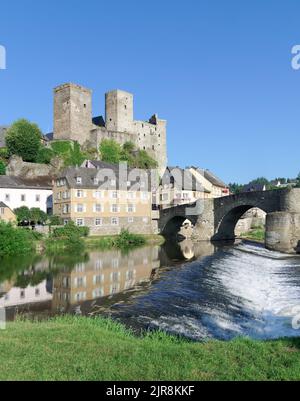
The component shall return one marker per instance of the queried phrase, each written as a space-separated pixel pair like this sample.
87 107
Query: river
196 290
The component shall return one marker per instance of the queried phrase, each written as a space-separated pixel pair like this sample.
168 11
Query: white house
16 192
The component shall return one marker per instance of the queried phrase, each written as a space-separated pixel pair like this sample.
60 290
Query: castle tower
119 111
72 113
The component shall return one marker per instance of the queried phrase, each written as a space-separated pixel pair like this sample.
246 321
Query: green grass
257 234
72 348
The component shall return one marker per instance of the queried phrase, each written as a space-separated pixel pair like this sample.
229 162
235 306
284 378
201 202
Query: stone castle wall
73 121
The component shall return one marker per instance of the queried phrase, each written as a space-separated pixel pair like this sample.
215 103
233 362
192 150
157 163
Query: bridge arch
228 211
226 228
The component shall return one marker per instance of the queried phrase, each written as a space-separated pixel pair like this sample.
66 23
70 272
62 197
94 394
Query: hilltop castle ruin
73 120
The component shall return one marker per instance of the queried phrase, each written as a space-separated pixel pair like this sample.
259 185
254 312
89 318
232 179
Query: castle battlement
73 120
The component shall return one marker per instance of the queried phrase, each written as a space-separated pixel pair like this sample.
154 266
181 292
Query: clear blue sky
218 71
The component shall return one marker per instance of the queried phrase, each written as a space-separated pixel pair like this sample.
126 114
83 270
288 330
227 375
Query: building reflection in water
72 284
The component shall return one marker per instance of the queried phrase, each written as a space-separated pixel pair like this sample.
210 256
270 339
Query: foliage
235 188
123 241
70 152
24 139
70 230
30 216
2 168
14 241
55 221
4 153
257 234
112 152
45 155
103 350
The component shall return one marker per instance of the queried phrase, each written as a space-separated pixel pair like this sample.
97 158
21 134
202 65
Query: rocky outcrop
18 168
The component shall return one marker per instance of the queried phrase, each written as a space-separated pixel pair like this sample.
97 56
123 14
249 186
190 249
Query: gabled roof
104 173
182 179
22 183
212 178
254 187
3 205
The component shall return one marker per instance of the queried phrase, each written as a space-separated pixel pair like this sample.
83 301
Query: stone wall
17 167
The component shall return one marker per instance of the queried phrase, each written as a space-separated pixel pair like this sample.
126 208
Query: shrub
127 239
14 241
2 168
45 155
24 139
110 151
70 230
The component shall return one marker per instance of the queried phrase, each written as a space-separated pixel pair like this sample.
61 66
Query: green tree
235 188
23 214
13 241
2 168
145 161
37 216
24 139
110 151
298 181
44 155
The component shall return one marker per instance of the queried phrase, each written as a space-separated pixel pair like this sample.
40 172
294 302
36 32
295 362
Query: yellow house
6 214
104 201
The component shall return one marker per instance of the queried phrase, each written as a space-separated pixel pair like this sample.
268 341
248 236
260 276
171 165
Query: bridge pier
283 227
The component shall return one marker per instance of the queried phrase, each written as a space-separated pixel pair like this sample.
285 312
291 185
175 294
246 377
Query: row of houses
108 198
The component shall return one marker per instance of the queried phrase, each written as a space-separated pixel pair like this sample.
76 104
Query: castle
73 120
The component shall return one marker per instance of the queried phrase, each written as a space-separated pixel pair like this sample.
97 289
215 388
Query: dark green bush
14 241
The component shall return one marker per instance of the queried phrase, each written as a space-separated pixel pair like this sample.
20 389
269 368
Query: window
80 296
128 184
79 194
37 292
96 181
98 265
37 198
78 180
114 221
115 209
98 292
98 222
22 294
2 210
115 263
98 195
66 209
98 208
113 183
130 195
114 195
79 208
80 222
144 196
80 282
23 198
115 277
98 279
130 220
131 209
7 197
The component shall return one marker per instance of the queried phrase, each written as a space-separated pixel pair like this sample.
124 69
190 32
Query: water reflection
185 288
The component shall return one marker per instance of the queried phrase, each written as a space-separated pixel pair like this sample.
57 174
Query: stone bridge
215 219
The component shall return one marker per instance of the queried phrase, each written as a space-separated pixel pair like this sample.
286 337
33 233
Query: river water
196 290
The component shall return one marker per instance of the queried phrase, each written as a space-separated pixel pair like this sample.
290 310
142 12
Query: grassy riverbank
96 349
256 234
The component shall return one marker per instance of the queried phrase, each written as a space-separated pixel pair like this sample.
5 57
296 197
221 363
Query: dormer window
79 180
96 181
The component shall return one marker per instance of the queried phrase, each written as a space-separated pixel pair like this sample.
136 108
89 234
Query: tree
110 151
24 139
30 216
235 188
44 155
298 181
23 215
145 161
2 168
